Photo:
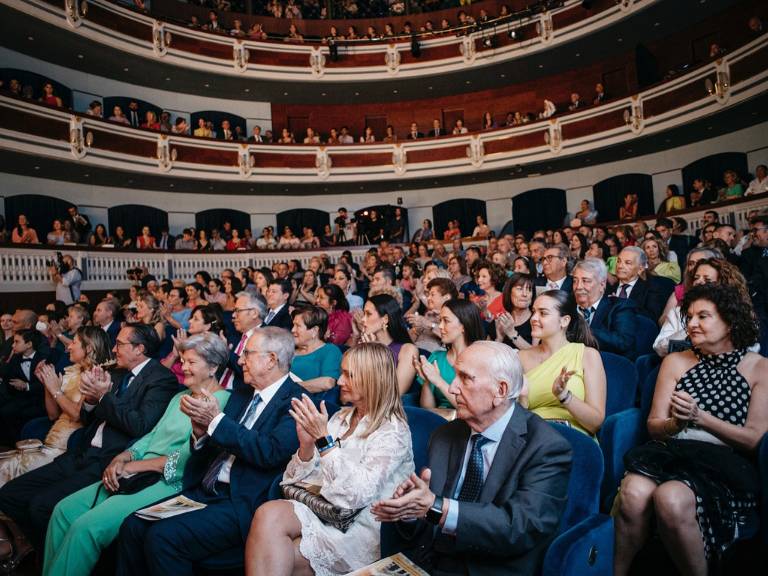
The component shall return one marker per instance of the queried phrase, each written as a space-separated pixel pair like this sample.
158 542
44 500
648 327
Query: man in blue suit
106 316
611 319
236 454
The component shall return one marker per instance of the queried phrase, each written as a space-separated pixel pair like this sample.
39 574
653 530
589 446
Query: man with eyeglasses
248 315
236 454
555 268
755 269
117 409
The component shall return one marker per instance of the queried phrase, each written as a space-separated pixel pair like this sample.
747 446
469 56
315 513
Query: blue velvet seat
621 378
646 331
36 429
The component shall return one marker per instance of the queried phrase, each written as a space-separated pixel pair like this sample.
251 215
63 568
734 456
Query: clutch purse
30 444
309 495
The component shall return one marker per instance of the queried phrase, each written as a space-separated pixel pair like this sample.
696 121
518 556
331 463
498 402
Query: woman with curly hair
490 278
696 478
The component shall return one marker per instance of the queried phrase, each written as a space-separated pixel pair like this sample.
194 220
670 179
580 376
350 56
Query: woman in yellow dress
564 371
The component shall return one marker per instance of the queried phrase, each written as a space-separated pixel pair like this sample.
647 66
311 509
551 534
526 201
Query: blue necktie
587 313
473 479
123 386
212 475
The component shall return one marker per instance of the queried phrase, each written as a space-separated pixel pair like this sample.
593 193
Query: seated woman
460 326
23 233
99 236
697 477
146 241
673 202
658 260
175 310
490 278
90 346
203 319
148 312
57 236
86 522
733 187
331 299
303 293
513 326
425 331
216 293
317 363
566 379
288 240
371 454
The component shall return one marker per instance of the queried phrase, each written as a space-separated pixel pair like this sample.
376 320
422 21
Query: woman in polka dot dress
696 478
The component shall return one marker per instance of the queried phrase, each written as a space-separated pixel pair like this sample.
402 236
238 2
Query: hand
366 337
314 421
200 410
19 384
94 384
431 371
357 316
411 500
111 476
416 321
506 324
684 408
561 382
178 339
47 375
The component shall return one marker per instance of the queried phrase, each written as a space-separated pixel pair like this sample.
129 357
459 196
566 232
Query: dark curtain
543 208
712 167
109 102
386 213
465 210
609 195
214 218
36 81
40 211
298 218
216 117
132 217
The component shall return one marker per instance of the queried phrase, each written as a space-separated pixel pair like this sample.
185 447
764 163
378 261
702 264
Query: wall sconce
75 11
720 88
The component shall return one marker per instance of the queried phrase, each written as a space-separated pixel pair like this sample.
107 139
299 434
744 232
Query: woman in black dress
513 326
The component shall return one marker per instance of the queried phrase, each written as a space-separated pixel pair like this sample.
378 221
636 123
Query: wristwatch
435 512
323 443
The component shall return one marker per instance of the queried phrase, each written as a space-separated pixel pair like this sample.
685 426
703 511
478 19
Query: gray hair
210 347
255 300
594 266
503 365
278 341
640 253
708 252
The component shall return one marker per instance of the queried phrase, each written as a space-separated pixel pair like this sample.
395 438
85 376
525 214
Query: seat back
762 465
586 477
646 331
621 376
619 433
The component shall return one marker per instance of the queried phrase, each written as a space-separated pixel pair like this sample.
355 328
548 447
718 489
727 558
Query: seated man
650 294
116 410
611 319
278 293
491 500
236 456
555 269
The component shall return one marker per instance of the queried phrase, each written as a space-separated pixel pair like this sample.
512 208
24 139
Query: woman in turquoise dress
460 326
316 363
86 522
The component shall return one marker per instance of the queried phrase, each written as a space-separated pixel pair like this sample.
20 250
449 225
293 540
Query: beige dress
17 462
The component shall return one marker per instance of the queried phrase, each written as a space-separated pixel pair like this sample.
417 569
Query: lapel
639 291
602 310
455 460
511 445
277 403
135 383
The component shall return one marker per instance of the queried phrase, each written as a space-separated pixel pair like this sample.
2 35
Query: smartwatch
324 443
435 512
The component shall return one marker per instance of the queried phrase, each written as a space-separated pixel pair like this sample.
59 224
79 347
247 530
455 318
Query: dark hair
736 311
605 252
285 285
387 306
387 271
675 190
446 287
513 281
469 316
584 244
59 310
267 273
99 342
212 314
30 335
146 336
336 296
666 222
578 329
236 285
219 283
496 272
313 316
196 286
182 293
206 277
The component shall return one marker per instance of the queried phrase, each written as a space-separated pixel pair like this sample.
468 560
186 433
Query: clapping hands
94 384
410 501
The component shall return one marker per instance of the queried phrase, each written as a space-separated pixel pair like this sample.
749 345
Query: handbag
309 495
132 484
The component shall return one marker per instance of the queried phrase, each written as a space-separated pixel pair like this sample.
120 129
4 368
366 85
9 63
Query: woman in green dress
86 522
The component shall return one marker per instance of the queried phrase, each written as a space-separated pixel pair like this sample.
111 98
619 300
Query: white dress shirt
630 286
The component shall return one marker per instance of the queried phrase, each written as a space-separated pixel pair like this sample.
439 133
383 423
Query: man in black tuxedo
555 268
116 410
650 294
278 293
491 500
611 319
414 133
22 395
437 130
236 456
80 223
105 316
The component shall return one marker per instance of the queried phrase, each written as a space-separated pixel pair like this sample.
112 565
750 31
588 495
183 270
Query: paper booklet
173 507
397 565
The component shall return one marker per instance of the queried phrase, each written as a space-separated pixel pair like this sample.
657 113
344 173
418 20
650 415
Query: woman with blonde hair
354 459
148 312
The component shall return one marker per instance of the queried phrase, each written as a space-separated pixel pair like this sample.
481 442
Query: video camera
59 264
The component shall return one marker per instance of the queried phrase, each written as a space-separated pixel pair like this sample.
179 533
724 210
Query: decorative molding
317 62
166 155
323 162
75 11
161 38
240 55
633 116
476 151
399 159
245 161
392 59
554 136
76 140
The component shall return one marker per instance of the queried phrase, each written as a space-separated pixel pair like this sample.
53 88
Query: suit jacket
613 324
282 319
261 453
432 134
130 415
755 268
12 370
649 295
566 287
113 331
517 515
681 244
411 136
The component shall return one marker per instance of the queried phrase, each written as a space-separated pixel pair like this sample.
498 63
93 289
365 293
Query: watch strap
435 512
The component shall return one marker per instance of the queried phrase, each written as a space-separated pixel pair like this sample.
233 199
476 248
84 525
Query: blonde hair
372 369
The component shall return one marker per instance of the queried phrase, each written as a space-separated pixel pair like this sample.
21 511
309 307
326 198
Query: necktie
552 285
473 480
124 383
212 475
587 313
623 291
229 374
269 317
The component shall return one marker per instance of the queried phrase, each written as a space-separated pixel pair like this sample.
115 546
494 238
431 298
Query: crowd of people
213 388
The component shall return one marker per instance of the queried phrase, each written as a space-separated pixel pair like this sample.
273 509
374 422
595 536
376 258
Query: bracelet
565 400
563 395
58 393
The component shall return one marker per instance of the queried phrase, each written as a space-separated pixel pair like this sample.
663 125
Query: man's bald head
24 319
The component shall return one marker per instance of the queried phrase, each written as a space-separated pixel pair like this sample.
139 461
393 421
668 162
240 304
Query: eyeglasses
238 310
550 257
247 353
118 343
758 229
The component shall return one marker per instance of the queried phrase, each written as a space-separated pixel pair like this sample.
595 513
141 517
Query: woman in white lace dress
358 457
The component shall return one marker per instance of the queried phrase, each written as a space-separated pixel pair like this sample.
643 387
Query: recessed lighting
80 56
30 38
502 75
210 187
86 175
587 160
429 87
285 93
251 189
657 24
125 69
167 78
709 127
285 189
170 185
37 167
629 150
323 94
467 82
578 54
247 90
357 93
541 65
394 91
619 39
130 181
206 85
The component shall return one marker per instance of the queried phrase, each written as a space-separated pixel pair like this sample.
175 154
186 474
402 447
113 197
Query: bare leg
301 566
675 506
631 520
269 550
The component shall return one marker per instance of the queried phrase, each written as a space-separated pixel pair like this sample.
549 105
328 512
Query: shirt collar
630 284
495 431
137 369
268 393
31 356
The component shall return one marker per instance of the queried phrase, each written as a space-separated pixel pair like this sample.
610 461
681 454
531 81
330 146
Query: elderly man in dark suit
611 319
649 294
236 456
116 410
491 500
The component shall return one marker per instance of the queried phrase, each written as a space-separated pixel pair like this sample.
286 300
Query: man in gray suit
491 500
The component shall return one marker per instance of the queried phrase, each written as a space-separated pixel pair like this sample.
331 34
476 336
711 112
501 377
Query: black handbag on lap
132 484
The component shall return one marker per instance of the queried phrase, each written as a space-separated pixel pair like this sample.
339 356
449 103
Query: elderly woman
331 299
513 326
357 458
566 379
696 477
315 362
460 326
89 347
86 522
658 260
